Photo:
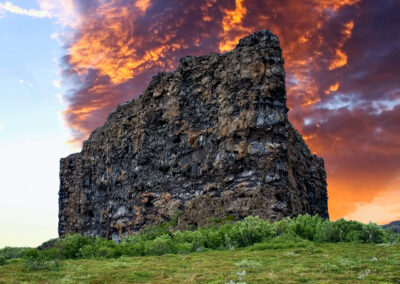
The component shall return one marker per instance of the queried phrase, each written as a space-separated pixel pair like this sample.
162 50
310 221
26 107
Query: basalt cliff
209 140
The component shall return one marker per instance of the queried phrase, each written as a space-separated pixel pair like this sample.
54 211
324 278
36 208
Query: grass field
312 263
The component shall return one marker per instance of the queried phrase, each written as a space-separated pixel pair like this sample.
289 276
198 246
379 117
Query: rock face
395 225
210 139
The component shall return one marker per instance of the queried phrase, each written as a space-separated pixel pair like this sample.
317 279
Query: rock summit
209 140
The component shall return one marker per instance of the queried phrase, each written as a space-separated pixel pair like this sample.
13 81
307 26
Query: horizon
67 64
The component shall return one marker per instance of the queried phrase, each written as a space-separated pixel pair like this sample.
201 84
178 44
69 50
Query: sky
65 64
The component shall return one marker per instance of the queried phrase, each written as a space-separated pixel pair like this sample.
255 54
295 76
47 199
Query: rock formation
395 226
211 139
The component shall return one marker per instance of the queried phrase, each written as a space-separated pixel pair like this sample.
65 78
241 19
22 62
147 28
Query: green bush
136 249
101 248
306 226
10 253
70 246
159 246
132 239
375 234
390 236
351 231
183 248
215 238
48 254
197 239
251 231
152 232
3 260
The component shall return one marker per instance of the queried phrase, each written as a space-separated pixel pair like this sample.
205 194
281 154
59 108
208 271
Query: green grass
310 262
293 250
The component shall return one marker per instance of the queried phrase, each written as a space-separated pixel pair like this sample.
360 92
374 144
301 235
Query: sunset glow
342 86
118 50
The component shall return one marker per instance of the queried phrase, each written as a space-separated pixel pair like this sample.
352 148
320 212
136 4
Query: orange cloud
341 57
232 21
143 5
333 88
335 4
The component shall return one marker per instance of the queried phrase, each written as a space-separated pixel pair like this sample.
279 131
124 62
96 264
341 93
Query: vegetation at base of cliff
301 231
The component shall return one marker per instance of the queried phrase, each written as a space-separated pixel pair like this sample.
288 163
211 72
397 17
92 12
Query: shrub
3 260
350 231
163 239
306 226
101 248
10 253
152 232
250 231
70 246
183 248
327 232
284 227
137 249
214 238
375 234
131 239
197 238
105 252
159 246
391 236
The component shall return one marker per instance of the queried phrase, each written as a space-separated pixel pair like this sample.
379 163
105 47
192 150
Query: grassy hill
313 263
300 250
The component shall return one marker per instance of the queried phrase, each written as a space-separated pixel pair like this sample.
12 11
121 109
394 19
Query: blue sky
32 133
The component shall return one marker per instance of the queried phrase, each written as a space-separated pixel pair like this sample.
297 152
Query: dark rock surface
395 225
210 139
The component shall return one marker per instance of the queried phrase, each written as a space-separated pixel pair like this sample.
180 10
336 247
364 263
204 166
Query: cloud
60 99
23 82
341 61
381 209
57 84
11 8
63 11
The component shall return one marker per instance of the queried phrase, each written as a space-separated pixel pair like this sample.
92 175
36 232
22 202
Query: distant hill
394 224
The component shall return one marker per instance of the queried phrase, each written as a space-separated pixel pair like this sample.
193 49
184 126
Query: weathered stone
210 139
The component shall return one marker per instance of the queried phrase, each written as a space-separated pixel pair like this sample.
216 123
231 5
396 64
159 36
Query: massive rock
211 139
